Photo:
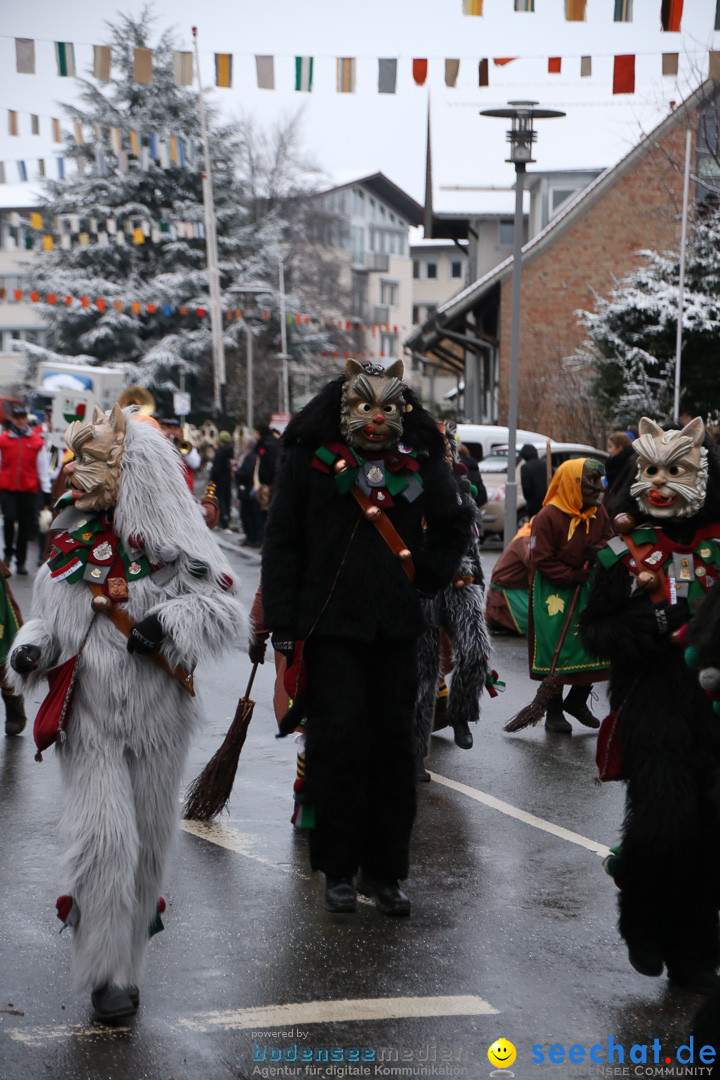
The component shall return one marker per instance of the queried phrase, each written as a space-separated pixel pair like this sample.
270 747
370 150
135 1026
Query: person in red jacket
24 471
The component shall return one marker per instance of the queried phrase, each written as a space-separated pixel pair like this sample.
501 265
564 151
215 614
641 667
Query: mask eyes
676 470
390 409
364 407
672 470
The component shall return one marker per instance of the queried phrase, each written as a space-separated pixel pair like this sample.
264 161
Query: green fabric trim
550 604
325 455
396 482
9 625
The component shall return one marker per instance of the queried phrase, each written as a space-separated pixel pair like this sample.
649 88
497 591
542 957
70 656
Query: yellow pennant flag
472 7
138 236
35 221
223 69
84 239
134 142
47 243
173 149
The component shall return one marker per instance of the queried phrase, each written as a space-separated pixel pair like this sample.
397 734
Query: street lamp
521 137
249 292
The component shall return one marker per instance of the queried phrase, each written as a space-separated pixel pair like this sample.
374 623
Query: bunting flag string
142 308
346 67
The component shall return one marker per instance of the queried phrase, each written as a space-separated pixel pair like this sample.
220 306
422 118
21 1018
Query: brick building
592 242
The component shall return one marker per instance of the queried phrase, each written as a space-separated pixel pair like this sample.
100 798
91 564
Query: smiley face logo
502 1054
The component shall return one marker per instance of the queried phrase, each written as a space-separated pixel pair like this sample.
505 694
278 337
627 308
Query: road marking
227 837
522 815
341 1011
272 1017
242 843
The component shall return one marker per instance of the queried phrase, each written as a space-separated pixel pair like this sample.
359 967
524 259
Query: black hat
18 409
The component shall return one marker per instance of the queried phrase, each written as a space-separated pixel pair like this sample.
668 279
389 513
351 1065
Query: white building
20 319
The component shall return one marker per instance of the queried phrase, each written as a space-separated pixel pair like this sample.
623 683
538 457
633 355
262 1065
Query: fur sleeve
283 555
448 528
34 632
618 624
201 624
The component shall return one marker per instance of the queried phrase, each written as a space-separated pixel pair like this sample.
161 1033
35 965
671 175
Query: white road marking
39 1036
522 815
344 1010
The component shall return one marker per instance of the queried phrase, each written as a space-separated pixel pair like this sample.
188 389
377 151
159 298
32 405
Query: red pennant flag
501 61
554 65
17 294
51 298
671 14
151 309
34 296
419 70
84 302
200 312
100 305
624 75
68 300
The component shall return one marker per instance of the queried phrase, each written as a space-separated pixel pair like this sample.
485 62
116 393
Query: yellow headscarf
564 492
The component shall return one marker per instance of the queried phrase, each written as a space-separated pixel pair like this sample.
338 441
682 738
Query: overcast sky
351 135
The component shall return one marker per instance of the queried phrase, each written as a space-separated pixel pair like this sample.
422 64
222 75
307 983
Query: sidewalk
229 540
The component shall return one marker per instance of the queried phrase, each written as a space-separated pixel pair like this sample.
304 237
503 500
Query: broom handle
566 627
250 682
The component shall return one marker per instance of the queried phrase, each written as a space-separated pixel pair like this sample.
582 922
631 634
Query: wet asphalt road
512 933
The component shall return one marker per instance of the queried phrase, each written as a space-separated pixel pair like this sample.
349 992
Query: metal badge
655 557
700 571
134 568
117 588
96 574
374 475
684 568
103 551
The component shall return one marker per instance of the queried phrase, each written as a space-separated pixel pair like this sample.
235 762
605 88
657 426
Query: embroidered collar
381 476
86 548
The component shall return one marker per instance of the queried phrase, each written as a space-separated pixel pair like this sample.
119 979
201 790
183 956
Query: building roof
21 196
390 193
431 331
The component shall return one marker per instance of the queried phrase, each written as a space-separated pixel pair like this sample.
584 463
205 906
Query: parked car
493 470
484 439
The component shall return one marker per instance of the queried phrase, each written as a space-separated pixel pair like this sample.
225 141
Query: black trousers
18 508
360 765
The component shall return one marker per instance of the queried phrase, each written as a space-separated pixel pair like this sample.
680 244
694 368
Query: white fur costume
131 722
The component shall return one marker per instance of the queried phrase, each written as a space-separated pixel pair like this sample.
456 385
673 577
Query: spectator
620 469
191 460
473 474
266 452
533 478
221 475
24 472
508 596
251 517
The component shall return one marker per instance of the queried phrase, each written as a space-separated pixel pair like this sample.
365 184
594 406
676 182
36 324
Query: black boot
113 1003
388 896
463 735
554 719
340 895
576 704
15 718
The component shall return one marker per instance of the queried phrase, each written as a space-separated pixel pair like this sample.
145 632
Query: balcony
370 260
381 314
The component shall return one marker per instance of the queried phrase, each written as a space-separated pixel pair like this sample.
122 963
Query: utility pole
216 326
283 356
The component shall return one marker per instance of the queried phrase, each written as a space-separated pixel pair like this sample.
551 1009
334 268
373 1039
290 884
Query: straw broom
210 791
534 712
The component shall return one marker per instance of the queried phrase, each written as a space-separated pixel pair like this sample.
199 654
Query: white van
482 439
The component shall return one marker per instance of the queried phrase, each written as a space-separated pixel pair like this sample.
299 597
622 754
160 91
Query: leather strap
119 616
387 530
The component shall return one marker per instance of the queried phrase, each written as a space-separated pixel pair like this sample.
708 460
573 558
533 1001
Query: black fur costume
330 579
669 868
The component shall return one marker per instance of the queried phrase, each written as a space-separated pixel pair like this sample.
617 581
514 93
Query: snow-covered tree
632 334
261 187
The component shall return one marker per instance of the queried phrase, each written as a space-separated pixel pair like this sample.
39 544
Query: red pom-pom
161 905
64 905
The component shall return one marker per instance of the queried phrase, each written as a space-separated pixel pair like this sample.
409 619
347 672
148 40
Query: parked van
483 439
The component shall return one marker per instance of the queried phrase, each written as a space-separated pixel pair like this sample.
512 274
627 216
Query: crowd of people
609 581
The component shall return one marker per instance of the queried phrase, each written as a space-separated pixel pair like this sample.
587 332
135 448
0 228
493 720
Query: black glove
670 617
580 576
146 635
25 659
283 642
256 652
48 499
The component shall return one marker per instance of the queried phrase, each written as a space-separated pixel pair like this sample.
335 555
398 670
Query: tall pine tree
150 292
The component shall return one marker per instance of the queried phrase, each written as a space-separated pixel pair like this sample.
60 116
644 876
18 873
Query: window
431 269
417 314
507 231
388 344
389 291
357 243
416 269
456 268
559 196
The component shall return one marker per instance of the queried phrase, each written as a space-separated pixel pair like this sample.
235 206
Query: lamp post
246 293
283 355
521 137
